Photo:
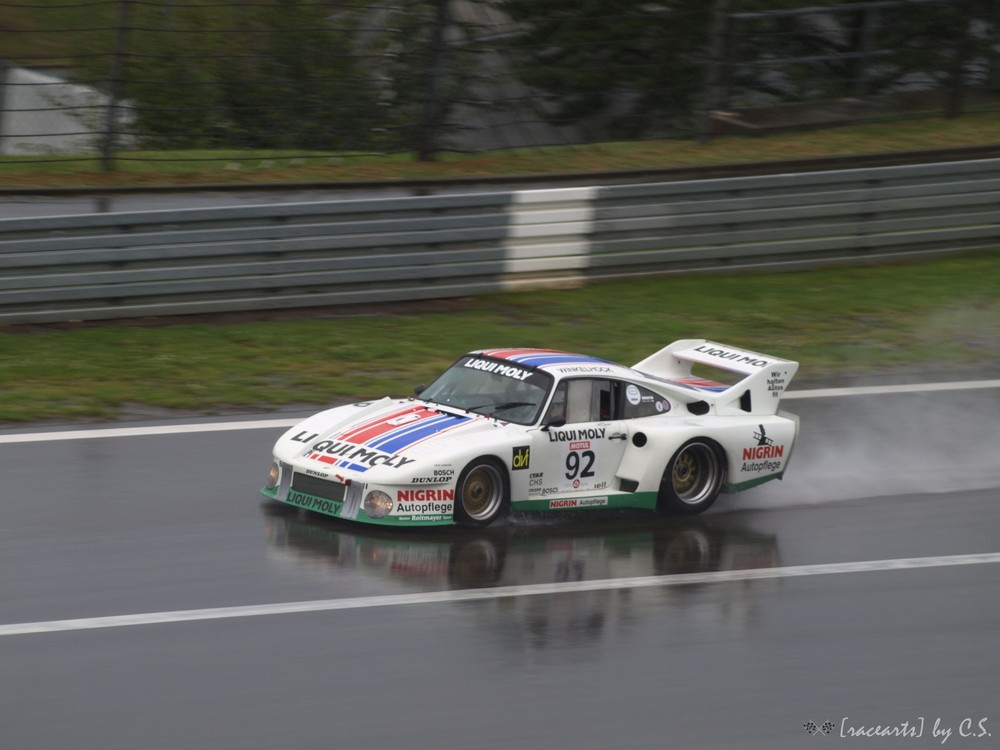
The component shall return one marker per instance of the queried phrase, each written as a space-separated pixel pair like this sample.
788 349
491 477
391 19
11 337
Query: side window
579 401
584 400
642 402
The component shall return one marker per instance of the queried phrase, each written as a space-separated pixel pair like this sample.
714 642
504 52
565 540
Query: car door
583 454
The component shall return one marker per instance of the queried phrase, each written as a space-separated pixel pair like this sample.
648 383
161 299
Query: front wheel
482 493
692 479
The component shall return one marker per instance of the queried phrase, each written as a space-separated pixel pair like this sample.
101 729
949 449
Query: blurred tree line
430 75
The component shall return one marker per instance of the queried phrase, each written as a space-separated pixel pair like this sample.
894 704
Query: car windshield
493 387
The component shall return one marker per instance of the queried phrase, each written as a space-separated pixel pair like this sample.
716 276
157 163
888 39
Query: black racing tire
482 494
693 478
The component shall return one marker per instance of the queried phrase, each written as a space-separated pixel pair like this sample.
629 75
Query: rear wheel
482 493
692 479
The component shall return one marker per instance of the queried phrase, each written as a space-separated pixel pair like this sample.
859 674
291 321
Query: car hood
388 440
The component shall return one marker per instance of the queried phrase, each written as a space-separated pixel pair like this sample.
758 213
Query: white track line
874 390
281 424
468 595
168 429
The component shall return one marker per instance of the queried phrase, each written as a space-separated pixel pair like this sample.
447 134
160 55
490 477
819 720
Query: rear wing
759 390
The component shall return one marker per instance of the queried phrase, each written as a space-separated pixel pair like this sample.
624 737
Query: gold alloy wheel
482 493
695 473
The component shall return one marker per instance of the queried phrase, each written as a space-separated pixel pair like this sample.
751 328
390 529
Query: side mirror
554 422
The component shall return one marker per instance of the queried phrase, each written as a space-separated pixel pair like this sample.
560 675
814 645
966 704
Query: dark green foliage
636 65
276 75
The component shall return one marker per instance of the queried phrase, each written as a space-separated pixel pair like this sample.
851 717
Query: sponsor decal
535 479
564 436
763 451
521 458
315 473
356 457
633 395
586 370
579 445
740 358
776 384
379 441
440 476
407 496
302 500
578 502
423 518
498 368
422 508
758 454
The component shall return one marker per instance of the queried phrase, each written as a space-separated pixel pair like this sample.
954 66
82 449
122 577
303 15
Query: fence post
3 100
433 106
866 45
717 44
116 75
955 103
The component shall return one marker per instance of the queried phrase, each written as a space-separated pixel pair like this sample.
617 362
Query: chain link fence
173 80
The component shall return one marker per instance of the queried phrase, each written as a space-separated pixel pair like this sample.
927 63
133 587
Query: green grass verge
243 167
929 317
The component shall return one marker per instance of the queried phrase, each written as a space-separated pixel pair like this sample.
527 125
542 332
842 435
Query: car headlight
273 476
377 504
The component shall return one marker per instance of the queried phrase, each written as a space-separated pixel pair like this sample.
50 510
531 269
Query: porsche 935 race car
543 430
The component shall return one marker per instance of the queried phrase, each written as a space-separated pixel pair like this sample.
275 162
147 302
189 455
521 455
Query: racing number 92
579 464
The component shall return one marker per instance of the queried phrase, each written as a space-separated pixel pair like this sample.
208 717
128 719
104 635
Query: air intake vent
319 487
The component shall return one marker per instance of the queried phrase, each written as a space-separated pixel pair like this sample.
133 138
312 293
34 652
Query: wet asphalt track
148 524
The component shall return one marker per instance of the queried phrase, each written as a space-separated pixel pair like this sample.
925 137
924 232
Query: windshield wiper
501 407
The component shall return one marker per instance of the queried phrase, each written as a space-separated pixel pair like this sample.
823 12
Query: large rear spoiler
759 391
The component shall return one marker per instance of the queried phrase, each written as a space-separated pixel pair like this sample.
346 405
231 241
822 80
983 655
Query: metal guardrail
158 263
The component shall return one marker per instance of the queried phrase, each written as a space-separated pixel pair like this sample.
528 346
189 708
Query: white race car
543 430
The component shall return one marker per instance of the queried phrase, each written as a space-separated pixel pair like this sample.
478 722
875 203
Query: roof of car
547 359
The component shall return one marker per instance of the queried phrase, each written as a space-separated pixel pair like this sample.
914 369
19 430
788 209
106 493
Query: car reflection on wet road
532 552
